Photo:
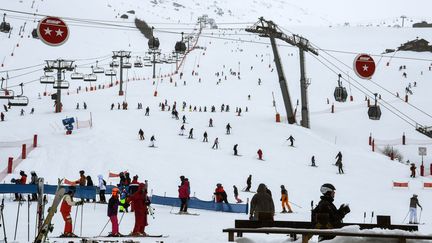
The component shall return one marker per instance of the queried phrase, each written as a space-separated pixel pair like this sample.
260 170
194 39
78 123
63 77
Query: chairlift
110 72
19 100
148 64
180 47
98 69
340 93
153 43
114 64
46 79
34 34
4 26
61 85
127 65
374 111
90 77
146 58
5 93
138 63
76 75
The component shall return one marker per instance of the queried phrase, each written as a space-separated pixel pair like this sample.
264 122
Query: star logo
59 32
365 67
47 31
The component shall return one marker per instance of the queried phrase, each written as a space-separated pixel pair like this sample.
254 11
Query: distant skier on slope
205 137
141 134
191 133
313 161
220 194
236 195
291 139
235 149
152 141
228 129
413 170
182 129
216 144
260 154
248 183
102 189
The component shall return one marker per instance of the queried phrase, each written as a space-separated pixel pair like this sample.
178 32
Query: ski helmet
115 191
327 187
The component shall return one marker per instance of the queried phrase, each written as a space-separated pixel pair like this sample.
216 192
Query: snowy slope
112 144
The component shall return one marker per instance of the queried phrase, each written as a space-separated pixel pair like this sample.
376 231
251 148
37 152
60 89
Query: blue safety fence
200 204
86 192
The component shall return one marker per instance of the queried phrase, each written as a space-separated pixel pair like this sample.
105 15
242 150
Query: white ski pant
413 215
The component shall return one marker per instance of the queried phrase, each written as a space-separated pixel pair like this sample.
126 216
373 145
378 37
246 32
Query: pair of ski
191 214
105 238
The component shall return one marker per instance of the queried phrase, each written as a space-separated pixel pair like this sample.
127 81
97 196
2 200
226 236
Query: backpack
104 182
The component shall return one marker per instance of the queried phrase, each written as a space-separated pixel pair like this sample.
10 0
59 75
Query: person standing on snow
102 189
228 129
65 210
140 201
34 181
313 161
235 149
260 154
413 170
338 157
285 201
236 195
291 139
191 133
248 183
90 183
216 144
147 111
152 140
413 209
113 205
262 205
220 194
141 134
210 122
184 119
205 139
184 192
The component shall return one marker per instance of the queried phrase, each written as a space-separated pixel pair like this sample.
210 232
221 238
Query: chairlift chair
5 93
90 77
138 63
340 93
76 75
61 85
127 65
374 111
98 69
4 26
146 58
148 64
19 100
114 64
110 72
46 79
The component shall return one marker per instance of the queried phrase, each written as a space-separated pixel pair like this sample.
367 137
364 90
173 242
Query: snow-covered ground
112 144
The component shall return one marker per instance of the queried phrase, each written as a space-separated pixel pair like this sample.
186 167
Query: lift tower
269 29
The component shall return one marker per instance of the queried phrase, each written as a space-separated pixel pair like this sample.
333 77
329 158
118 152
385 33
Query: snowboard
47 226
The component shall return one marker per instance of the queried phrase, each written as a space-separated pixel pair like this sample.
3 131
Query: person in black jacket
325 215
90 183
34 180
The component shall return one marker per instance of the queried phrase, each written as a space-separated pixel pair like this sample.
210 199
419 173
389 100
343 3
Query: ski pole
372 216
16 224
104 228
405 217
295 204
364 217
121 218
28 218
2 217
421 210
82 212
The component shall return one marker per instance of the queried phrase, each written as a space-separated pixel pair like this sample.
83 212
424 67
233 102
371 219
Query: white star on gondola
47 31
365 67
59 32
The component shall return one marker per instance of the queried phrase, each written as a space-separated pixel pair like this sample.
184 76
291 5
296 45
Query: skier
220 194
248 183
141 134
235 149
338 157
140 201
85 106
182 129
90 183
285 201
184 192
34 181
413 170
184 119
236 195
152 139
210 122
205 139
112 106
413 209
2 116
191 133
124 204
313 161
239 112
102 188
127 179
262 206
339 162
260 154
22 112
228 129
291 139
65 210
113 205
325 215
32 111
82 180
216 144
147 112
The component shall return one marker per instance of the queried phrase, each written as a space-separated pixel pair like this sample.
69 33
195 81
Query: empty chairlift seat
90 77
110 72
46 79
61 85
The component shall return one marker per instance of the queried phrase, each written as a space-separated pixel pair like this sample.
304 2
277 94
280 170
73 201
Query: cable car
5 93
90 77
374 111
98 69
153 43
61 85
34 34
19 100
4 26
110 72
340 93
47 79
180 47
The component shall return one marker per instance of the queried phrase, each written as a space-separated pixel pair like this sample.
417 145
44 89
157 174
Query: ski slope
112 143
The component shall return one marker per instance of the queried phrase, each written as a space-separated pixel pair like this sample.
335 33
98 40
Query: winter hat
22 173
415 195
327 187
81 172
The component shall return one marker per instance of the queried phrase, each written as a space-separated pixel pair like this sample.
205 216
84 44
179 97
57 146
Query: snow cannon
68 123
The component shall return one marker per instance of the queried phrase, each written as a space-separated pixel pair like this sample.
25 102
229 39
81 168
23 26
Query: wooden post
24 151
373 145
403 139
230 236
10 163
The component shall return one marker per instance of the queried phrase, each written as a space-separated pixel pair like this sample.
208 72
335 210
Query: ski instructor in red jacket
65 210
140 201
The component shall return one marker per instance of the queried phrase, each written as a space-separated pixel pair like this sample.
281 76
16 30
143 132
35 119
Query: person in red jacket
65 210
220 194
184 192
140 201
260 154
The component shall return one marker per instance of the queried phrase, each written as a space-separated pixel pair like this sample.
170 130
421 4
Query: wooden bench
308 233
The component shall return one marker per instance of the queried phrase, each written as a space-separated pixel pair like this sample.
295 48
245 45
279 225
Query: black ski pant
184 205
102 196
